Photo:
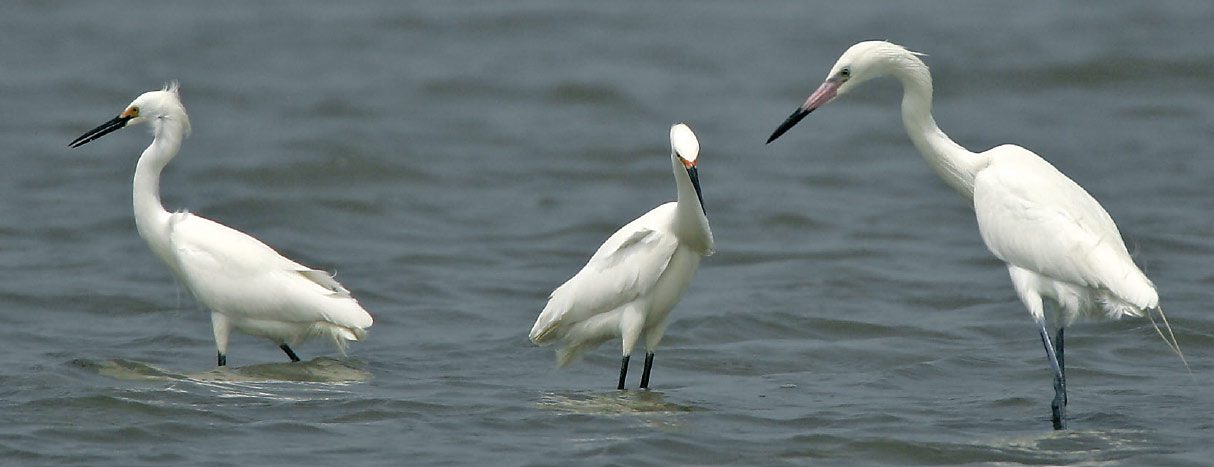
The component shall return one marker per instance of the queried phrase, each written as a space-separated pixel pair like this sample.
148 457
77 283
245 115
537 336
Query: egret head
860 63
684 145
685 148
156 107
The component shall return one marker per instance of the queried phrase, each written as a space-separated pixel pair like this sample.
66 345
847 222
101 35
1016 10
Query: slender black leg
1058 405
223 360
623 372
290 353
1061 362
648 366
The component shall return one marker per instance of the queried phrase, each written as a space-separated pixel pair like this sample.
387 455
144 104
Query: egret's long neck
691 222
954 164
151 219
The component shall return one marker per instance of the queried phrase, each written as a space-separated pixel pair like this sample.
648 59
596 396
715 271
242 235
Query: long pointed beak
694 173
106 128
820 97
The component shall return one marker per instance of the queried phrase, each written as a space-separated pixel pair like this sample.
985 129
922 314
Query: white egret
1058 242
634 280
247 285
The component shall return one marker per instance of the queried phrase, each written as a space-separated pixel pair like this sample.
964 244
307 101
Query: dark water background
455 161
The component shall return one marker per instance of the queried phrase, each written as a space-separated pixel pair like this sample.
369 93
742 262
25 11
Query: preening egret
636 277
247 285
1058 242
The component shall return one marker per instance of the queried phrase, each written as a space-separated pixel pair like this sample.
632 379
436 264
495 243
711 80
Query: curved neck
691 222
151 219
954 164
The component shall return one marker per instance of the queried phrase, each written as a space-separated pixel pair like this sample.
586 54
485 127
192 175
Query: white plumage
1057 241
637 276
1065 245
247 285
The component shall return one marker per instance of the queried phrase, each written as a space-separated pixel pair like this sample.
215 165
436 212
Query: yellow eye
131 112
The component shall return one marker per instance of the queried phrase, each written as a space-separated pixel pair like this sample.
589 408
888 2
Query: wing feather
237 275
625 267
1032 216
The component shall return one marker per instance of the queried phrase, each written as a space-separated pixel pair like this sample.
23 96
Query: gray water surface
453 162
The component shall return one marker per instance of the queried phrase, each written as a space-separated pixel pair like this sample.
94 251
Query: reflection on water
127 369
1078 446
318 370
613 403
650 408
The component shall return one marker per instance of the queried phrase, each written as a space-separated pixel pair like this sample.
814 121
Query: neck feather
151 219
691 224
954 164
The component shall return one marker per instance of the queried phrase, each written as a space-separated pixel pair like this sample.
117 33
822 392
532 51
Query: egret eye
845 73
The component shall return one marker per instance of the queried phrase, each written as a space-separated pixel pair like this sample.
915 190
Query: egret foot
648 366
623 372
223 360
290 353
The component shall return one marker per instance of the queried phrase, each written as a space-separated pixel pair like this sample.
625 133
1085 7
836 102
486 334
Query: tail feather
1115 307
543 335
340 335
544 331
1170 342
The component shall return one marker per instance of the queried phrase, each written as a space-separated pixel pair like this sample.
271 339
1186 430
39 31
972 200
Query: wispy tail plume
1170 342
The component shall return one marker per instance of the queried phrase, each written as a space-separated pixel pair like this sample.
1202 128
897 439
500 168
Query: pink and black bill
821 96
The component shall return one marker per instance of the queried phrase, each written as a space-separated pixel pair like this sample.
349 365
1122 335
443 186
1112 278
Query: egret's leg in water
1061 361
223 359
653 337
623 371
1058 405
648 366
290 353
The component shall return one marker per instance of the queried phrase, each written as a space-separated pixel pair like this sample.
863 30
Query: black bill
101 130
694 173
